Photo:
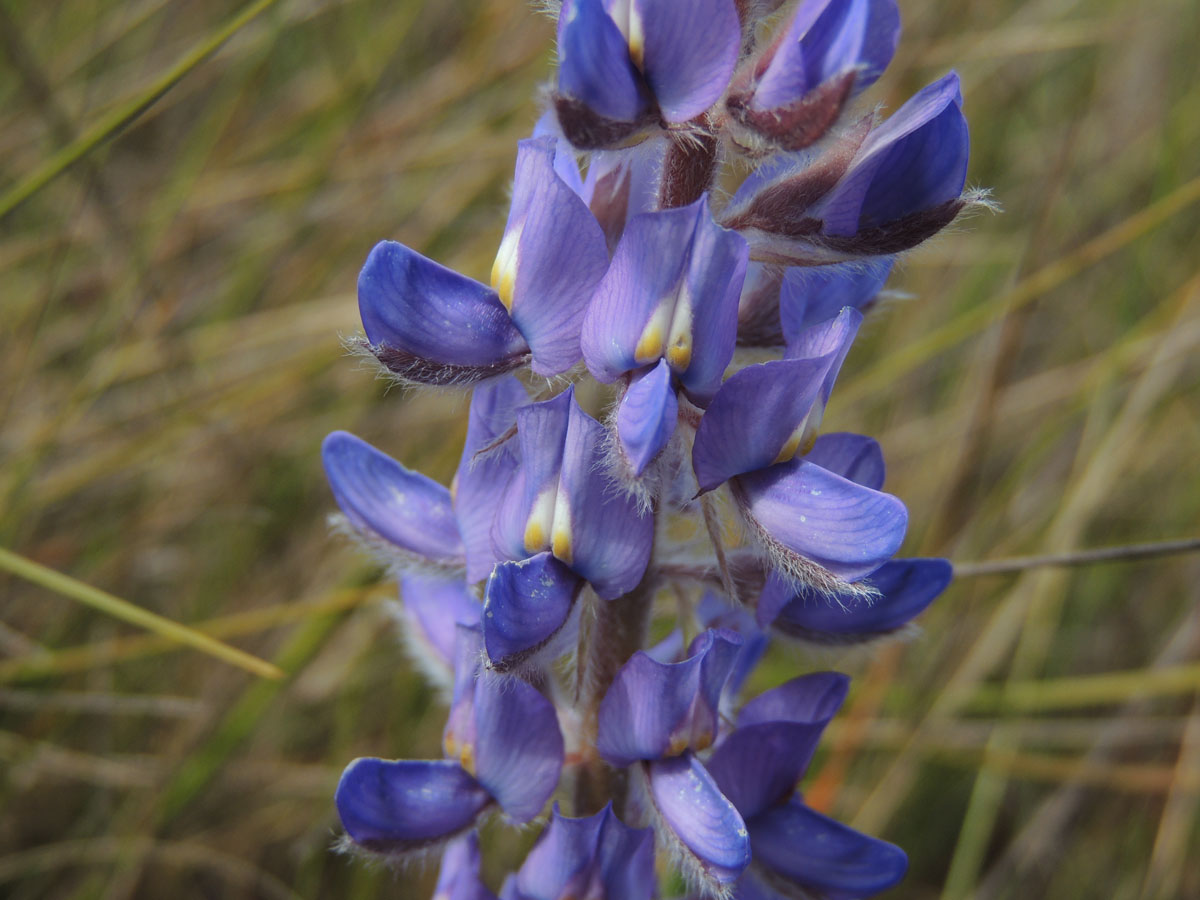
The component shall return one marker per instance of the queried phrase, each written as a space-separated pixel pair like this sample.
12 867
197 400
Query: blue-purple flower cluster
713 322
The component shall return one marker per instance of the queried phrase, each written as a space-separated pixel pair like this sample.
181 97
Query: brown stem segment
610 633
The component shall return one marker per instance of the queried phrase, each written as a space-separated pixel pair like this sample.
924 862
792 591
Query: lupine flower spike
648 352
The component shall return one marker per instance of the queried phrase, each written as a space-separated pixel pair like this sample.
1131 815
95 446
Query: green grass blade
116 120
134 615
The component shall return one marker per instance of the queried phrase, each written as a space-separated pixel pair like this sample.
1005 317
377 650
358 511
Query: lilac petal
626 859
852 456
670 293
764 413
594 65
691 48
566 165
759 763
520 527
669 649
598 856
716 272
526 605
435 607
813 295
608 538
519 750
379 495
801 510
395 806
906 588
482 477
811 699
561 863
829 340
824 856
699 817
459 736
714 612
915 161
431 325
649 265
458 877
621 184
654 709
646 417
551 257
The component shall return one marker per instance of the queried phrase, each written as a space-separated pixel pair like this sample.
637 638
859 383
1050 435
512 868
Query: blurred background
187 190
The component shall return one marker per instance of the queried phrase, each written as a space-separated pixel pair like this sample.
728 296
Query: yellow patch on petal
504 269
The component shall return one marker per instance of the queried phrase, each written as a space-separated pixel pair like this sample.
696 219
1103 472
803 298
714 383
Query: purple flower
597 857
830 51
874 191
655 717
430 325
818 527
666 310
795 849
559 501
558 523
505 748
626 65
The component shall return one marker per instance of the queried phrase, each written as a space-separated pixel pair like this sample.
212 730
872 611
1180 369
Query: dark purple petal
458 877
596 857
519 748
915 161
646 417
764 413
594 66
435 607
379 495
801 510
431 325
396 806
827 38
526 606
703 822
823 856
813 295
482 477
690 50
658 709
550 259
852 456
906 587
759 763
